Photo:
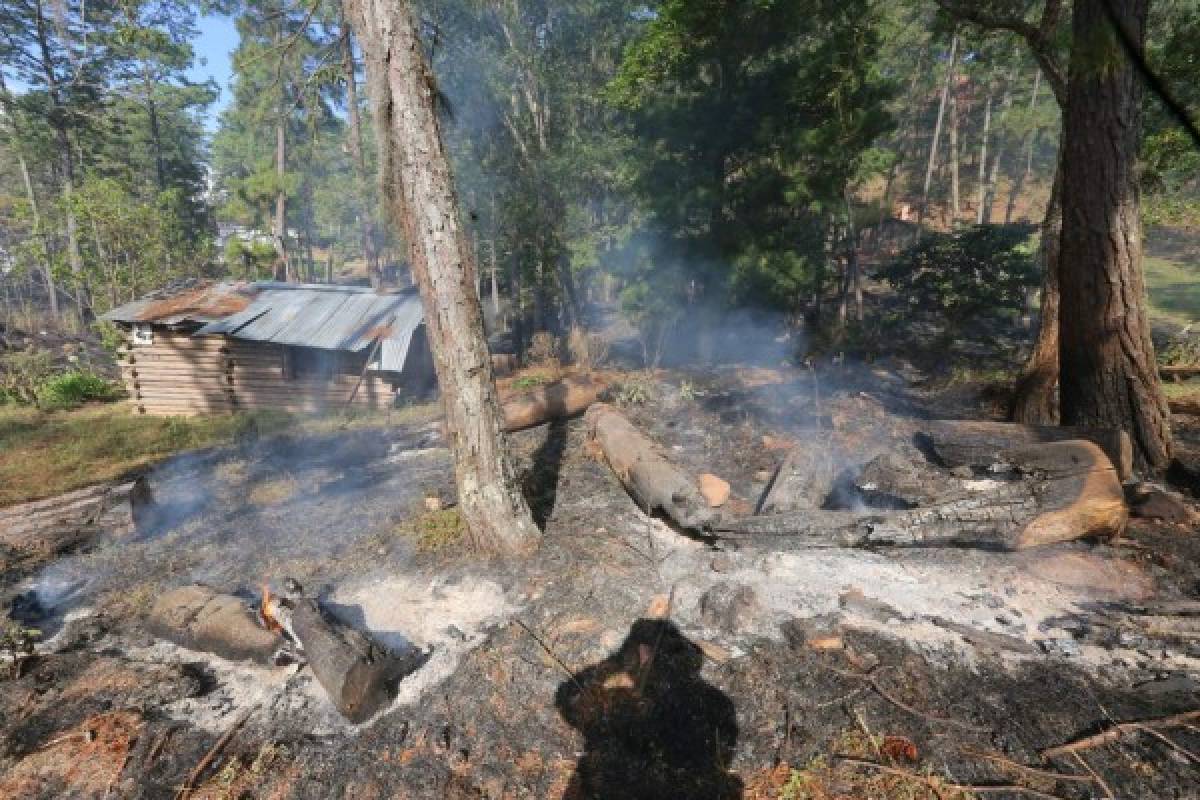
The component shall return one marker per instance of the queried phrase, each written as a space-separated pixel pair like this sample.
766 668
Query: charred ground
599 666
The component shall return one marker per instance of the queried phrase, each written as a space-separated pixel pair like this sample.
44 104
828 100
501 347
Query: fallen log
564 398
357 673
976 443
1062 491
653 481
46 528
803 480
1189 404
201 618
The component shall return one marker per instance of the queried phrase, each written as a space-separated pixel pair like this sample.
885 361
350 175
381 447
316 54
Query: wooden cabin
293 347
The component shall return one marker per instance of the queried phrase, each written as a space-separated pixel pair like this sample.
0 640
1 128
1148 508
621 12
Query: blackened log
37 531
358 674
803 480
638 463
977 443
1064 490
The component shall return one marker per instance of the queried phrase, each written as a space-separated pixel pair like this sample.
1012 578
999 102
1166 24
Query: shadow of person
653 728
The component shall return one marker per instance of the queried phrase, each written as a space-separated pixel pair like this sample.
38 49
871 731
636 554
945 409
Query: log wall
181 375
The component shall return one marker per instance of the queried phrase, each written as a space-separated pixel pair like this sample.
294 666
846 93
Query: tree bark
1108 374
419 189
370 253
1035 396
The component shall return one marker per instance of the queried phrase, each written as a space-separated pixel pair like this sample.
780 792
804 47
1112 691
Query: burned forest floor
625 659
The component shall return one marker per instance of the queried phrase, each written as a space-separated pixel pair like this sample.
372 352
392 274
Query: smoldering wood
803 480
558 400
639 464
358 674
45 528
977 443
889 480
1061 491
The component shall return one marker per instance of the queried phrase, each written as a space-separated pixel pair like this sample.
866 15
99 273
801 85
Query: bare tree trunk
1035 397
62 139
981 189
282 269
955 199
420 192
39 234
370 254
516 306
1107 370
937 134
1021 178
993 176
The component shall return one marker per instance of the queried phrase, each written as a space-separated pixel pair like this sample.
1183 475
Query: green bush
23 373
982 271
74 388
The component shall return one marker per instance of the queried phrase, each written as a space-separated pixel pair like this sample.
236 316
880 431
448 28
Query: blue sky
215 43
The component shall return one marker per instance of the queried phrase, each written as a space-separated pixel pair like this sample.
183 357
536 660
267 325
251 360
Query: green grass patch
529 382
435 530
44 453
1186 388
1173 287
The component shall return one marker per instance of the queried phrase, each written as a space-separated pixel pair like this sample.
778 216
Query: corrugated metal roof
327 317
186 301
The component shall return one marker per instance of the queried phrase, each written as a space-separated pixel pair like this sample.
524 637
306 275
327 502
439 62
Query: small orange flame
264 611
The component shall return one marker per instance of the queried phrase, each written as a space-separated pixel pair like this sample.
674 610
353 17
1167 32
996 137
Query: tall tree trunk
39 234
852 262
1019 179
282 268
370 252
955 199
1035 397
62 139
160 172
981 188
904 137
989 198
931 165
516 307
420 193
1107 370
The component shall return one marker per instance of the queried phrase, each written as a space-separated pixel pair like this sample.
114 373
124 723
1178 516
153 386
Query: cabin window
143 334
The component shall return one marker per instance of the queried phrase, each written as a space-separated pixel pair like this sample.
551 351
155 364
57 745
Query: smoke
316 508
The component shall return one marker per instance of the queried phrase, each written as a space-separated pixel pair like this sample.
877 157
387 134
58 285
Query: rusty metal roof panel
327 317
186 301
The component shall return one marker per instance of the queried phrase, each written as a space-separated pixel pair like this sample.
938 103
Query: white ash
1035 596
451 615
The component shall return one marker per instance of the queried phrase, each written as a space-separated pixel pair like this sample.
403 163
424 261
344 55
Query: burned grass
851 674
